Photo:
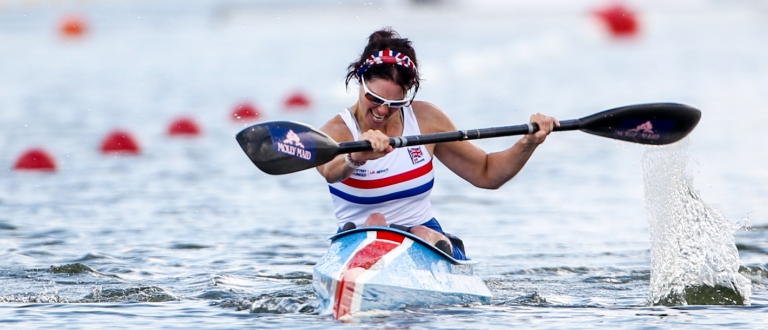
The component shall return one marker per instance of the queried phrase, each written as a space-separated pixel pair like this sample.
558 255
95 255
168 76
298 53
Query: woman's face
379 100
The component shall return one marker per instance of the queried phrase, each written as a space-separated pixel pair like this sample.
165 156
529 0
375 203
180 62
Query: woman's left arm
482 169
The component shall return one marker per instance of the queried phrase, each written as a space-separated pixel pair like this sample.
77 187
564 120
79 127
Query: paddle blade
653 123
283 147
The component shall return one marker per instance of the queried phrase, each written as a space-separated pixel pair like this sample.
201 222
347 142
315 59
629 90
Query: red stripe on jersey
384 182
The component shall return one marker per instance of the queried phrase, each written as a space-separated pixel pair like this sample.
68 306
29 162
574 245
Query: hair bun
383 35
403 73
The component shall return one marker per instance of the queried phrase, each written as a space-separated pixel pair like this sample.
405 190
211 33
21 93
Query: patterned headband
386 56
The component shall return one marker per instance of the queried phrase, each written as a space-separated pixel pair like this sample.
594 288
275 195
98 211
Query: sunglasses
379 101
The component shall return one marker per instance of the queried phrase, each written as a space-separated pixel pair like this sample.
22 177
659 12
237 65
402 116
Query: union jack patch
417 155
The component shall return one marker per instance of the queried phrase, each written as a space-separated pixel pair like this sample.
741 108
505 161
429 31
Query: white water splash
692 245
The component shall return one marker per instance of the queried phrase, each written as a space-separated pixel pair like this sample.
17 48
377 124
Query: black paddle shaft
472 134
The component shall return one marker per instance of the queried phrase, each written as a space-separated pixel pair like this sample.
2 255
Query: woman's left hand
546 125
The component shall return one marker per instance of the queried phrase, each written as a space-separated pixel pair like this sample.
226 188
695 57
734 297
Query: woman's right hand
379 142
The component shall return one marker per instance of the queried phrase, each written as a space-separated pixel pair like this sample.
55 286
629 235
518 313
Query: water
190 235
694 259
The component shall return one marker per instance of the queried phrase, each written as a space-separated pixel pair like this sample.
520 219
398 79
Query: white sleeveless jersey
397 185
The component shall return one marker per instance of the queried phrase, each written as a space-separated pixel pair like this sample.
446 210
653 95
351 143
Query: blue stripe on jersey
384 198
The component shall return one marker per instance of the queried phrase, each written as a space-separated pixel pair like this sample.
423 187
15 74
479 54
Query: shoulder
431 118
337 129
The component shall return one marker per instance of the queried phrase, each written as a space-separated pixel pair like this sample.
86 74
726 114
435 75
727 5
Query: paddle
282 147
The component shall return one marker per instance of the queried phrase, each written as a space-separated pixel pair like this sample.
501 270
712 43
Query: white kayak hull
380 268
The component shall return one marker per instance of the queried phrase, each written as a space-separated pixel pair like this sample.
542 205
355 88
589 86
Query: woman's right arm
338 169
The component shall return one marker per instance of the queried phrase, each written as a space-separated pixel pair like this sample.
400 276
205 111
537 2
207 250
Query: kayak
382 268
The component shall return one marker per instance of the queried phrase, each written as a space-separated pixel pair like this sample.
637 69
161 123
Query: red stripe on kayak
337 296
360 263
395 179
344 294
370 254
390 236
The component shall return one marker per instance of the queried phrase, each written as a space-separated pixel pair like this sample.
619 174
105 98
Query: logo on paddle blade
293 139
285 140
644 129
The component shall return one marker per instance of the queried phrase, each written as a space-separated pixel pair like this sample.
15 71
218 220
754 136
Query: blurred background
117 123
75 71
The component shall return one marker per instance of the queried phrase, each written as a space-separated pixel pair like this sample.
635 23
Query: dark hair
386 38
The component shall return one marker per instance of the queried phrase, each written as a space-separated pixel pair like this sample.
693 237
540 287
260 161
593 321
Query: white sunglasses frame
406 101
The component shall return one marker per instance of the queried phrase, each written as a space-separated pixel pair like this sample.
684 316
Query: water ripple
142 294
189 246
76 268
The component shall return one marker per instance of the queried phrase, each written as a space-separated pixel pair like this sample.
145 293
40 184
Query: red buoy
245 112
297 101
184 126
620 20
120 141
35 159
73 26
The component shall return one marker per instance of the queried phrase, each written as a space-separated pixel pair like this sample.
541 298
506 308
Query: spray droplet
694 259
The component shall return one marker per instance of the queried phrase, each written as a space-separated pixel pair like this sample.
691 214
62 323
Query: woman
387 186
